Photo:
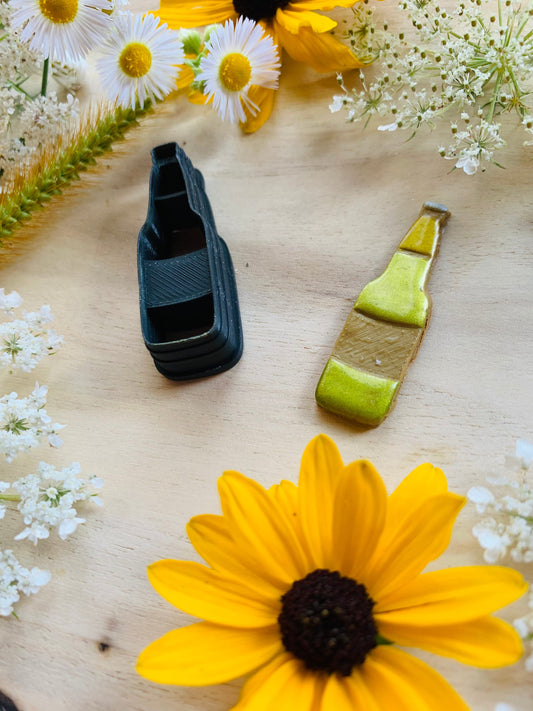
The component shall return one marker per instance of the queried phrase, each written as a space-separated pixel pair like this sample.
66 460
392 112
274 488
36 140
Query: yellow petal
204 654
358 517
283 687
185 77
320 471
400 682
449 596
488 642
259 529
204 593
195 13
424 536
198 97
323 5
348 694
424 482
264 100
253 684
211 538
321 51
293 20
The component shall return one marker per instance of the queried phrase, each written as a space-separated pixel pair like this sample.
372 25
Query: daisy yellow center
59 11
234 72
326 621
135 60
258 9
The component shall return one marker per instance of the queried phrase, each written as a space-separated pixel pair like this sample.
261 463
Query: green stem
44 82
9 497
17 87
497 86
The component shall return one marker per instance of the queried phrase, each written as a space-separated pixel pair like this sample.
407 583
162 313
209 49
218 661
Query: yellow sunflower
312 587
294 26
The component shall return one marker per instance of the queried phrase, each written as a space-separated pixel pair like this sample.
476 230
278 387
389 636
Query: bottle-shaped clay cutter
385 328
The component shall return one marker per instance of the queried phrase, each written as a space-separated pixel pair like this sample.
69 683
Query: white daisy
140 60
63 30
238 56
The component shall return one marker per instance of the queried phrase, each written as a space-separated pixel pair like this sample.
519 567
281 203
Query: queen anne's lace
16 579
469 61
507 526
46 499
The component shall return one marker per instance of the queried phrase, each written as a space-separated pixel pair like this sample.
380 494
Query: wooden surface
312 209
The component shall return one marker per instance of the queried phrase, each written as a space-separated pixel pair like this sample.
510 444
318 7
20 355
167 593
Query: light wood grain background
312 209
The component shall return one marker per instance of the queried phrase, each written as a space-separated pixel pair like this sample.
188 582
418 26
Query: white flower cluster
507 528
47 500
28 121
470 61
25 341
24 423
15 579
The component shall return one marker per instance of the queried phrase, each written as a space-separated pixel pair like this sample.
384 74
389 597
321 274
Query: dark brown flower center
258 9
326 621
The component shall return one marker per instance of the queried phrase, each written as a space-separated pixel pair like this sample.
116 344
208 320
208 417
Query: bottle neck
399 294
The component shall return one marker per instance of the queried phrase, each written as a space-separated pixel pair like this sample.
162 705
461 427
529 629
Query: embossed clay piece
384 330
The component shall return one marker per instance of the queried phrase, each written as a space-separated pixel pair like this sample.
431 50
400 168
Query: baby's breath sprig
470 64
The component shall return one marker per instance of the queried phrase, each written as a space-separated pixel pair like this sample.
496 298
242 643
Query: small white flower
48 498
481 497
504 707
140 60
339 100
63 30
388 127
239 55
469 164
13 300
15 579
524 452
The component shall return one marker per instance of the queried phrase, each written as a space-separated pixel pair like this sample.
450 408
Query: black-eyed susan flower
294 26
312 589
140 60
63 30
239 56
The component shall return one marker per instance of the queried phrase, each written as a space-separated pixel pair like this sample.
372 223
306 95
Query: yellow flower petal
449 596
319 474
424 536
321 51
293 20
488 642
424 482
400 682
204 654
283 687
204 593
185 77
358 517
198 97
348 694
260 531
264 100
211 538
323 5
195 13
256 681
